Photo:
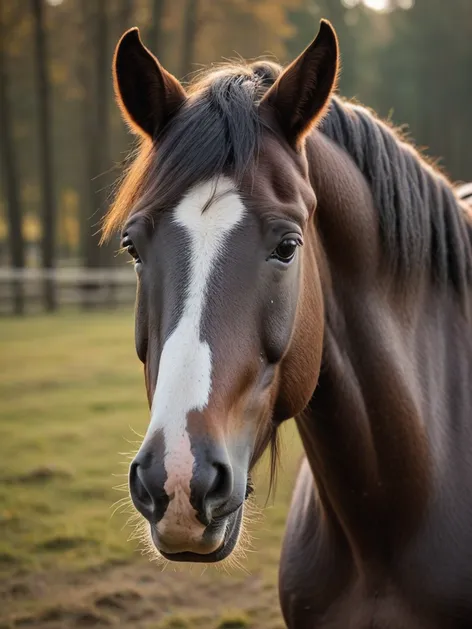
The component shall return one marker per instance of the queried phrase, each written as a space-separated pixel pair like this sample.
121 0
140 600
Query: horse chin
232 528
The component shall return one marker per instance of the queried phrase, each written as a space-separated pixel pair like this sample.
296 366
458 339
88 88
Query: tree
45 164
94 74
156 32
422 76
95 77
125 15
104 255
10 178
190 31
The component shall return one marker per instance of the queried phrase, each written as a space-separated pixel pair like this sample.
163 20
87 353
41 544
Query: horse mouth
232 527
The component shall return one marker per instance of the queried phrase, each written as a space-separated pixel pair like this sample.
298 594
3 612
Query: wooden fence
23 290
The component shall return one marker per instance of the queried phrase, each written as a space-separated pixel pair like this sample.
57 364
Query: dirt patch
39 476
118 600
139 596
63 617
7 559
61 543
234 621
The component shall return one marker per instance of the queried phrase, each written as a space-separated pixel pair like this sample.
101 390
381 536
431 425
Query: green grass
72 394
70 388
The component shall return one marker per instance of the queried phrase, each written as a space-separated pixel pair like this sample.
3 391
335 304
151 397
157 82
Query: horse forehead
206 215
208 212
280 181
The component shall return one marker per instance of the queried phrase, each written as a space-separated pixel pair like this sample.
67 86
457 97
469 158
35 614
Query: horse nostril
140 495
222 486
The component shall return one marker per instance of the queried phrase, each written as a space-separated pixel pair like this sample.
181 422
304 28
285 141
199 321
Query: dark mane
420 220
218 131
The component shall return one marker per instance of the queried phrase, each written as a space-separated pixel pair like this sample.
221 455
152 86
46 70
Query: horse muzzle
190 497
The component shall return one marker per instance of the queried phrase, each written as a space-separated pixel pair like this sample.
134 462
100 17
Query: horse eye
127 244
285 252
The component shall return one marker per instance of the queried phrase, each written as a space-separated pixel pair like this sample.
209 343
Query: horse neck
362 432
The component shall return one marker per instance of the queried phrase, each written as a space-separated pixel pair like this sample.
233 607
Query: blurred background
71 390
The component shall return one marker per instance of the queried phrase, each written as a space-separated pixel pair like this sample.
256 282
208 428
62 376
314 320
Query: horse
296 257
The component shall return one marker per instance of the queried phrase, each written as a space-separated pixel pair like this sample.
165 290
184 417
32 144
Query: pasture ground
72 400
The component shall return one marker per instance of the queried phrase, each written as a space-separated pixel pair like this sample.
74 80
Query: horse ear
147 94
301 94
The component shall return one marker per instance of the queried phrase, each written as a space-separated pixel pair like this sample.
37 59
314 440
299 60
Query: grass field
72 400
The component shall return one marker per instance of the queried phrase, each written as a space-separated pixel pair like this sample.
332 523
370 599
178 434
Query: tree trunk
102 132
125 16
88 203
107 250
10 178
189 37
45 154
156 43
84 73
95 76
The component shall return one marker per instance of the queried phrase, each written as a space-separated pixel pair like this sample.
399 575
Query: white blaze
184 380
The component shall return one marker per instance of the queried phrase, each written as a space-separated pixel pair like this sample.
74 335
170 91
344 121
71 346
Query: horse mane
420 217
421 220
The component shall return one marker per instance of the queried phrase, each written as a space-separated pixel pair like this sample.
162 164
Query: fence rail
22 290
